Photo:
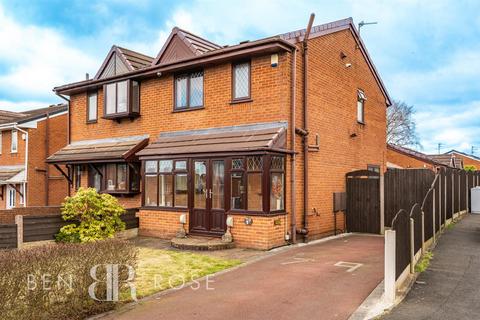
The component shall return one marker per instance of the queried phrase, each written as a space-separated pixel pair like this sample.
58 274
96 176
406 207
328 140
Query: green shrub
469 168
95 216
62 293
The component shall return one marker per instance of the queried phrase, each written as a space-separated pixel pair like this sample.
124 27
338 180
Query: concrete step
199 243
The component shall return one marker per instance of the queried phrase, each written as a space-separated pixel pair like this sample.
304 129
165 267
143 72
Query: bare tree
401 128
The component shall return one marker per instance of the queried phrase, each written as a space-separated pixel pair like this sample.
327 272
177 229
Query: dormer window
122 99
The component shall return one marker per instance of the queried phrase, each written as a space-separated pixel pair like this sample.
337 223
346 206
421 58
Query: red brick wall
406 161
159 223
7 158
37 168
8 216
332 115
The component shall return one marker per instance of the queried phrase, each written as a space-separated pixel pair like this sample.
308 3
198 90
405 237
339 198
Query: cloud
36 59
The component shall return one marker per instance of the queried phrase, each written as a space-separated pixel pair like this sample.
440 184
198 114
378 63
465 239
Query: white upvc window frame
361 98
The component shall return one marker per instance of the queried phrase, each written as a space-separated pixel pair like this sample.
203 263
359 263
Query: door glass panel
218 185
200 185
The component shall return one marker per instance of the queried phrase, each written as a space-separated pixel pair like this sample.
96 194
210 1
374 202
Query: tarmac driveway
296 283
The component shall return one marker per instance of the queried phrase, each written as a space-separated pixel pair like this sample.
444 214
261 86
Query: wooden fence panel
450 190
463 190
404 188
401 225
8 236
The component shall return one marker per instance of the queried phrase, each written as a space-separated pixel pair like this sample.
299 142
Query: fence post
412 246
19 223
453 195
389 272
382 204
423 232
466 193
459 194
445 202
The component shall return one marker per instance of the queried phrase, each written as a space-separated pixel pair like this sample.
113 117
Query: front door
11 194
207 215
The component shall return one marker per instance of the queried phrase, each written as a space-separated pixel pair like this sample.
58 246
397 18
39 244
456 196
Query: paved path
300 283
450 288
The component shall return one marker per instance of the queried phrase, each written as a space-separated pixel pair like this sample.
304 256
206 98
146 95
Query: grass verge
160 270
423 264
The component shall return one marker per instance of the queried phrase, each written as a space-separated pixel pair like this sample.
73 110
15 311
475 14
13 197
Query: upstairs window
122 99
189 91
361 98
241 81
14 146
92 107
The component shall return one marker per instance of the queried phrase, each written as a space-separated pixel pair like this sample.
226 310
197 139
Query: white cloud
23 105
38 59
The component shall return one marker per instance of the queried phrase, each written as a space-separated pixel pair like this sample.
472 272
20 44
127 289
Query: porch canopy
224 140
12 175
99 151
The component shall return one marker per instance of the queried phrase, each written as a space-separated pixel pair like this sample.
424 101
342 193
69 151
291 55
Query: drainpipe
47 153
293 88
68 128
304 131
26 164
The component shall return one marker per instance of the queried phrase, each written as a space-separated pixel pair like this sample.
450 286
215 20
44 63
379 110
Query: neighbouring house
26 139
467 159
399 157
449 160
262 132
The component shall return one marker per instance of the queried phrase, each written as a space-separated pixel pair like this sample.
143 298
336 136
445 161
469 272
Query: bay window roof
101 150
12 174
245 138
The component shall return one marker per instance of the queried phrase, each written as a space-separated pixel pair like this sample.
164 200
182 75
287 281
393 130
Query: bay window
118 178
121 99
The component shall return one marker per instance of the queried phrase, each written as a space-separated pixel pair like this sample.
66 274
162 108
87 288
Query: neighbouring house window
166 183
277 183
373 168
77 176
92 107
361 98
189 90
122 99
14 146
241 81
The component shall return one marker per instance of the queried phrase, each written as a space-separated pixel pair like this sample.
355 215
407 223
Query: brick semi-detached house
257 135
26 139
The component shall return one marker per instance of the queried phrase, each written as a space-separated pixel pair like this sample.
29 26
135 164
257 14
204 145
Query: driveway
450 287
296 283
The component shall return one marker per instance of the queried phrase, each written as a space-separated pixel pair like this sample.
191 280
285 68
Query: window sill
256 213
361 123
238 101
91 121
188 109
119 116
120 193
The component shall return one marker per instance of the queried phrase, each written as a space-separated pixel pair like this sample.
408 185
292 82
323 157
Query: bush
26 296
95 216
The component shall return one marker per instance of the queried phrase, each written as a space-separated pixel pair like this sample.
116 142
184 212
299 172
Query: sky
427 52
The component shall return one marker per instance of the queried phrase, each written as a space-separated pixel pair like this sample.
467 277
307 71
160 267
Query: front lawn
159 269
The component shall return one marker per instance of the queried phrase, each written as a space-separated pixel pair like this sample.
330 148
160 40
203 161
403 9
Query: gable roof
9 117
187 49
182 44
414 154
335 26
471 156
121 60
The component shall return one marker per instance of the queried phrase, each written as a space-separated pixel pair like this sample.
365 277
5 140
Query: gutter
25 193
304 131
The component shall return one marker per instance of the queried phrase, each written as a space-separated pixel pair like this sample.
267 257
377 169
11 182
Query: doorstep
200 243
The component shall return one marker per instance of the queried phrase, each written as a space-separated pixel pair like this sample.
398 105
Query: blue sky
427 52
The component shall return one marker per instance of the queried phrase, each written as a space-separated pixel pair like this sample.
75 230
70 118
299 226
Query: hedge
52 281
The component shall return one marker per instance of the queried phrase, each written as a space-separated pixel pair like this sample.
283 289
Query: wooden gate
363 201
